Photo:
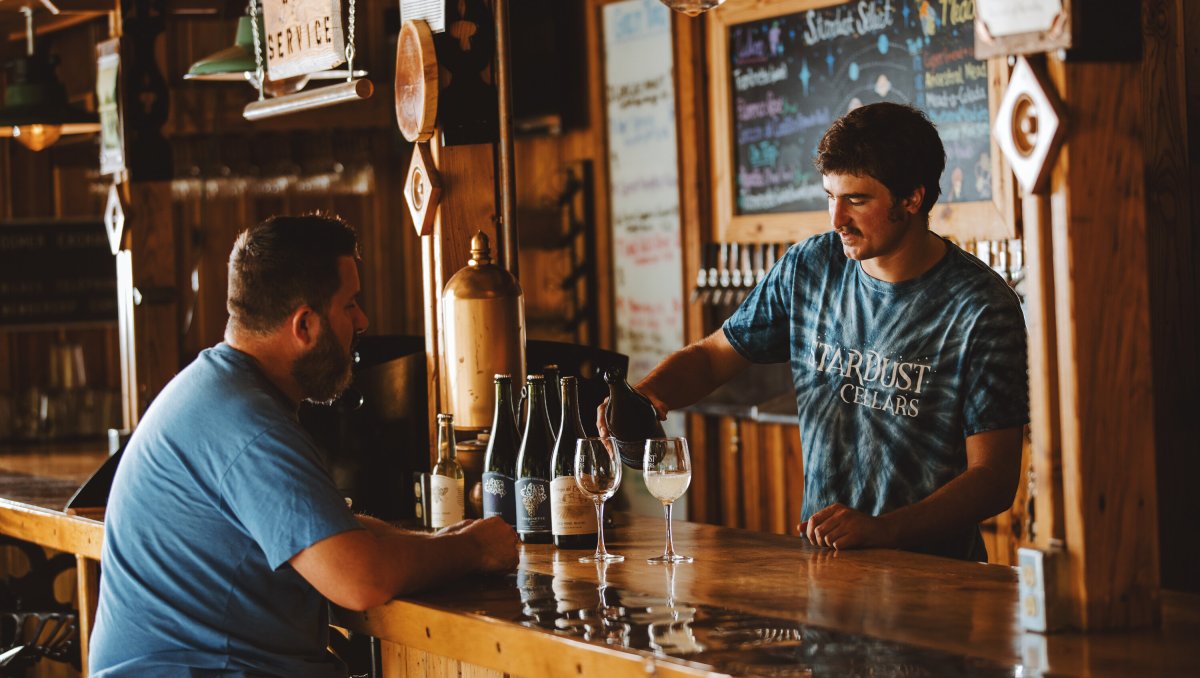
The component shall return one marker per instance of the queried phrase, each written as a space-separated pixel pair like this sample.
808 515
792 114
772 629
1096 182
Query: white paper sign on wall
302 36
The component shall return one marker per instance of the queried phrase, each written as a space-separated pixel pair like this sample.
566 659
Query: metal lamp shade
237 64
35 99
232 64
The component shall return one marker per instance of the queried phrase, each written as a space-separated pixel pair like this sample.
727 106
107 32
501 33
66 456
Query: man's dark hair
285 262
894 144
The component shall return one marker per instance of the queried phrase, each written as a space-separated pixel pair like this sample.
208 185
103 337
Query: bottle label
499 497
533 505
445 501
571 512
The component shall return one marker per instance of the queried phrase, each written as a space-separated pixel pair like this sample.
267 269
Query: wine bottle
630 417
533 467
500 461
553 402
446 479
572 514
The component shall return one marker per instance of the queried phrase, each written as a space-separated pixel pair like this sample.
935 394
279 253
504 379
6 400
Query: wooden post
1173 249
1043 373
468 204
149 297
1103 335
691 114
87 576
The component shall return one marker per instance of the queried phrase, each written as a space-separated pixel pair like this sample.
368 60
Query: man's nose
361 322
838 214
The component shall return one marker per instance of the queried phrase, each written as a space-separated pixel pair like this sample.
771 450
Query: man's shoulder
977 283
217 404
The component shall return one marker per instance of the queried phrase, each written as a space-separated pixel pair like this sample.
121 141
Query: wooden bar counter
769 605
750 604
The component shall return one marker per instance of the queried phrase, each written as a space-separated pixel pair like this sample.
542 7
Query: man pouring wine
907 354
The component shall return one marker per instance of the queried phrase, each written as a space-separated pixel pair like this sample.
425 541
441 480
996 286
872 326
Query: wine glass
598 474
668 472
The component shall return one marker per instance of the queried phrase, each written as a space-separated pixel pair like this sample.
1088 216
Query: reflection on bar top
725 640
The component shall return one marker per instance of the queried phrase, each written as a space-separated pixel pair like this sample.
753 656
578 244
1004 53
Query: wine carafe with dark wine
630 417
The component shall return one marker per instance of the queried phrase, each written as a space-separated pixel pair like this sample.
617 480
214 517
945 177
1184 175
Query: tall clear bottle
533 467
631 418
500 462
446 479
572 514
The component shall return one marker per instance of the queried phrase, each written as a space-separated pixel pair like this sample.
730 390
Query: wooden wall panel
1105 380
1173 246
729 451
750 456
153 240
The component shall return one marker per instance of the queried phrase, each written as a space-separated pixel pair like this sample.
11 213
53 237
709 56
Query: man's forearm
975 495
381 528
418 561
692 372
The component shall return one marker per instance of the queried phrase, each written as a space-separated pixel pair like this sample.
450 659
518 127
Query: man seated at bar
224 534
908 355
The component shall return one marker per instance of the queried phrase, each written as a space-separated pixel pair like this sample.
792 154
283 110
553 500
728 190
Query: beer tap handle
760 261
701 276
722 274
735 273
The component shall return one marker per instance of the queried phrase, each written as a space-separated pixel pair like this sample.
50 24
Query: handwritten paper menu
792 76
644 185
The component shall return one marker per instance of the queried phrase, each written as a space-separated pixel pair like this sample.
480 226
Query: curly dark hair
282 263
895 144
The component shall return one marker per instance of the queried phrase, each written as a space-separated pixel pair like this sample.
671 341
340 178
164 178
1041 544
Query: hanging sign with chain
302 36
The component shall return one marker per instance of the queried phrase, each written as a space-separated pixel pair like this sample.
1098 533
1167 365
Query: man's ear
303 325
912 204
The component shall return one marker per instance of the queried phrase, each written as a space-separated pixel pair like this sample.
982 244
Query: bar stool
33 623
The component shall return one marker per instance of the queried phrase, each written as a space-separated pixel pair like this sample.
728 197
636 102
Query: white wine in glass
668 472
598 474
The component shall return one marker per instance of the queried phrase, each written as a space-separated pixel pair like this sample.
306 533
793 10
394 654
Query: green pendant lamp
236 64
36 111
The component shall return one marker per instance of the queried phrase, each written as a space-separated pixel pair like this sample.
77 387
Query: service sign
302 36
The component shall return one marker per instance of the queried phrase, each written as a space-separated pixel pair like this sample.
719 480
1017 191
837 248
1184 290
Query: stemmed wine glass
668 472
598 474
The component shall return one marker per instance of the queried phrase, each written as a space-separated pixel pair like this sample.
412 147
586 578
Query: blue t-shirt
890 378
218 489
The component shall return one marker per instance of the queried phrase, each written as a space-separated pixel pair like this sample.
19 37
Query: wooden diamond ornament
1029 126
422 189
114 218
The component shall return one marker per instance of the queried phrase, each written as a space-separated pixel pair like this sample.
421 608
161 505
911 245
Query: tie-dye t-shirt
891 378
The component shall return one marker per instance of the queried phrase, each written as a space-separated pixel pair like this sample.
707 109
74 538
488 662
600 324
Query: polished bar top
751 603
35 484
811 609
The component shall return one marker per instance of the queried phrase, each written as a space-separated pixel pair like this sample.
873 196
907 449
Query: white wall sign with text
644 182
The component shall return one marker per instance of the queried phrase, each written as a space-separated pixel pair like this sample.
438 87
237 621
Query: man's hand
840 527
601 423
496 540
660 410
456 527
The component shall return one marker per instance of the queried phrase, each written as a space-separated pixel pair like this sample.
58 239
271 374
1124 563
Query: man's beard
324 372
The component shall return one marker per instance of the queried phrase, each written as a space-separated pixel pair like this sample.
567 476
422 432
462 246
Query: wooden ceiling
55 15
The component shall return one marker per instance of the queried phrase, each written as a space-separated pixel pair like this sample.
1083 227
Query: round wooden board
416 81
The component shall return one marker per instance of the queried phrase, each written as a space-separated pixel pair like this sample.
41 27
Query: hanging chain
350 46
259 73
28 12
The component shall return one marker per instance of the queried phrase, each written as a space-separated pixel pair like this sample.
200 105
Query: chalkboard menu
791 76
56 273
783 71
